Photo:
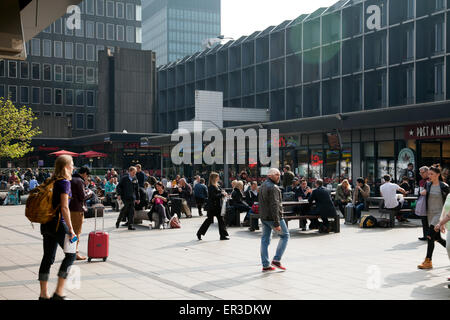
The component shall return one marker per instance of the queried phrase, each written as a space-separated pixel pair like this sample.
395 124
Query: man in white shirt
389 193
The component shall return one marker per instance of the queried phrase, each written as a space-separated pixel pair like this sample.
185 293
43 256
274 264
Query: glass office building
177 28
59 76
376 71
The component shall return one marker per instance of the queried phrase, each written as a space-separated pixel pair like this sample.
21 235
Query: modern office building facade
177 28
59 78
376 71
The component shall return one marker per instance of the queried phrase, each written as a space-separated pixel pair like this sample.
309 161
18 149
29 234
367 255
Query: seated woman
237 197
159 201
343 195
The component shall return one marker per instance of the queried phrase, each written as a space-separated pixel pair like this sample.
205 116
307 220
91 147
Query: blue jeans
358 209
265 241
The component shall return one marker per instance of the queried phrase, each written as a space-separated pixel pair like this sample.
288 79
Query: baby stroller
13 197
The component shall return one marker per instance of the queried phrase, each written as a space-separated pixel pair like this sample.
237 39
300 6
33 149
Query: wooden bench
334 221
392 213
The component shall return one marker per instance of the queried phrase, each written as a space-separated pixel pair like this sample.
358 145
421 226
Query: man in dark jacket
128 191
324 205
185 192
201 194
140 175
77 204
288 177
271 211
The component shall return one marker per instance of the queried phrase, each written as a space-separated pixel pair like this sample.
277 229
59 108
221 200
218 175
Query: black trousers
51 242
127 211
432 237
342 206
424 225
209 220
161 210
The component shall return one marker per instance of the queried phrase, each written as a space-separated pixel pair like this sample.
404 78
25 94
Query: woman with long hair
55 231
343 195
159 200
436 192
215 195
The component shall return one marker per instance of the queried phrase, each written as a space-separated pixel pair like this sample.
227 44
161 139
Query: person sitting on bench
324 205
391 201
237 197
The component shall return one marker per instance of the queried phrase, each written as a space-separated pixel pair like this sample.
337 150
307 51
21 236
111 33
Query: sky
243 17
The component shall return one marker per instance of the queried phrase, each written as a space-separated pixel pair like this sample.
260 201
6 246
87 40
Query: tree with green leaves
16 129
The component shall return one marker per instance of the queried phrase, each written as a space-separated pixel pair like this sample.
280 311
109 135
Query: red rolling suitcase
98 243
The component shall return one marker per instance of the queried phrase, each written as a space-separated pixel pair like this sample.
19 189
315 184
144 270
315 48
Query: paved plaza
172 264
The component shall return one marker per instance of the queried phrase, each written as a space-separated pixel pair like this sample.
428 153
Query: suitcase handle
95 221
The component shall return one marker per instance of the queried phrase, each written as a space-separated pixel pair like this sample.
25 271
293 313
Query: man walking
271 211
77 204
128 191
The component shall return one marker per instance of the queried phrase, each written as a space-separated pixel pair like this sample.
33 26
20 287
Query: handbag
421 208
223 211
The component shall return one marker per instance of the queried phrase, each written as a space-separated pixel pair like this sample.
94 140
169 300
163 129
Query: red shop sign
428 131
41 148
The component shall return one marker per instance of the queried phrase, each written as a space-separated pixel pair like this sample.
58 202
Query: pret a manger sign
428 131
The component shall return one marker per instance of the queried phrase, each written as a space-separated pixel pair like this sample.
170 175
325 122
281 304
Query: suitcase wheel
104 259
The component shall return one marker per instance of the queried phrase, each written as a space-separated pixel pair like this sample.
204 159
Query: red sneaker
269 268
278 265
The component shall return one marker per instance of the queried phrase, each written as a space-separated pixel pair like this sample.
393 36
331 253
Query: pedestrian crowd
136 190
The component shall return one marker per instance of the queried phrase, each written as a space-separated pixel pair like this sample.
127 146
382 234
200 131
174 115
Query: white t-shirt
389 192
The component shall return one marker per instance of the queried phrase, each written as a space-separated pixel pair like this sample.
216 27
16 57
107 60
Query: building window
69 117
90 52
36 71
90 33
79 74
130 11
2 90
89 7
48 29
69 97
120 33
58 96
79 51
90 75
130 34
99 48
36 47
438 81
138 35
36 95
100 8
58 73
47 72
68 31
80 97
138 13
110 9
69 74
90 98
410 44
68 46
24 94
12 93
119 10
2 68
90 122
46 48
12 69
47 114
109 31
439 37
58 49
80 32
100 30
47 96
58 114
80 121
57 26
24 73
